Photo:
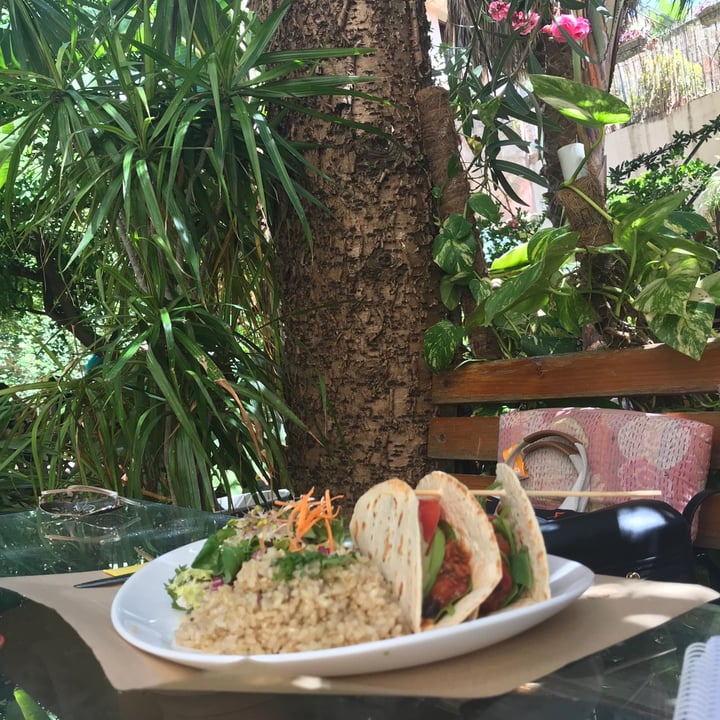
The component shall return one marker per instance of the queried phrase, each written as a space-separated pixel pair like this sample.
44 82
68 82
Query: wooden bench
456 439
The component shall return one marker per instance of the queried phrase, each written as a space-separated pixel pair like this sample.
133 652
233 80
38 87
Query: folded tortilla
523 522
386 527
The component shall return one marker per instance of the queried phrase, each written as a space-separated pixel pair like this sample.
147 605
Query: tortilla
476 534
386 527
523 522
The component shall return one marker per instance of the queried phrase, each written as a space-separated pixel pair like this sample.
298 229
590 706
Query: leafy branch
661 273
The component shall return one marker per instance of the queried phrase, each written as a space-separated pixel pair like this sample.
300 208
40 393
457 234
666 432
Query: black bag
646 539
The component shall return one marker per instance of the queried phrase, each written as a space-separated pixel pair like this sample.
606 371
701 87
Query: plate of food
416 576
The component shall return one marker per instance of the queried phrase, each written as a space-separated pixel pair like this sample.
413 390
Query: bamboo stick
498 492
576 493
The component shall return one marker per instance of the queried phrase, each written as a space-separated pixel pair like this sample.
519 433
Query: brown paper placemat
613 610
88 612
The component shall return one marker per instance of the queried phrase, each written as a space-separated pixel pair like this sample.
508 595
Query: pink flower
577 28
522 23
498 10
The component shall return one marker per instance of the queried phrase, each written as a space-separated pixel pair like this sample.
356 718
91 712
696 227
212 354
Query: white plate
142 614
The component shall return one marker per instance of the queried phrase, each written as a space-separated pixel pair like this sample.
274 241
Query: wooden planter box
709 15
631 48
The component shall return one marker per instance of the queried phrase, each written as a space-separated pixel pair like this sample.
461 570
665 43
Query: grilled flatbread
523 521
384 526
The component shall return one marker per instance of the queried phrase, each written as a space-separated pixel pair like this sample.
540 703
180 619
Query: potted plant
709 14
631 43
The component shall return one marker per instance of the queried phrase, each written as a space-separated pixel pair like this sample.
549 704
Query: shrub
667 81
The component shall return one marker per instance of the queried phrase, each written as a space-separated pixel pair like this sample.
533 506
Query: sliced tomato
503 544
429 516
496 599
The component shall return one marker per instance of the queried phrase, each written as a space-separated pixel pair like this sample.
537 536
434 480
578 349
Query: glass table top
38 543
635 679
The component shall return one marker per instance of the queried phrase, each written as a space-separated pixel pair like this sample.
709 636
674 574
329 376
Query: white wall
632 140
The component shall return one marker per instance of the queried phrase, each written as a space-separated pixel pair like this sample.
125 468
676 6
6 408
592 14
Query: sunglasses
78 501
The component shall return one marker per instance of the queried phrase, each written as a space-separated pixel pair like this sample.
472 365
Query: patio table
46 656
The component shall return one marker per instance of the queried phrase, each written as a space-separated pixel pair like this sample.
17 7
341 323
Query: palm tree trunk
356 304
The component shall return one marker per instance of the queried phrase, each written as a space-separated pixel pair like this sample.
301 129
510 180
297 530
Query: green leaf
548 250
480 289
450 293
99 217
208 557
505 166
648 220
30 708
243 118
706 256
440 343
433 560
520 568
484 206
520 291
709 286
497 167
573 310
487 111
455 248
281 169
689 222
513 259
669 295
260 38
534 300
556 244
577 101
687 333
152 205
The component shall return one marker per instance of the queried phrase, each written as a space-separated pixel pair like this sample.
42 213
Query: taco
526 576
447 559
436 547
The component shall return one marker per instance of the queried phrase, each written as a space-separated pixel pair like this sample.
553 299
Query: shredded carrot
519 464
304 513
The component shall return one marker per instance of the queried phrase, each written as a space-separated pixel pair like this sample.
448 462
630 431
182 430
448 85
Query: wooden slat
656 370
464 438
475 482
708 533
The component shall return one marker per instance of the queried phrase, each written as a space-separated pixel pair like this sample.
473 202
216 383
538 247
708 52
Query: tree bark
59 302
356 304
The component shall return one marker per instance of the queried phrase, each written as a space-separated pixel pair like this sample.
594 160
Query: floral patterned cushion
627 450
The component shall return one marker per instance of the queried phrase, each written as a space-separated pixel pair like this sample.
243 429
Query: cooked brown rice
259 614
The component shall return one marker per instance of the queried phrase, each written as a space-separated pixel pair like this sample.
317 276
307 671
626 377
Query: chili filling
497 598
454 580
516 570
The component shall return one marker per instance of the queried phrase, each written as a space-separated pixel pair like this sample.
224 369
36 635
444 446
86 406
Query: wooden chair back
457 440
